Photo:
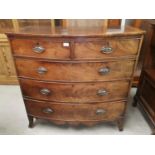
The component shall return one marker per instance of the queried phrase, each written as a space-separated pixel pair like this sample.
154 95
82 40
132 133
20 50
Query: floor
13 119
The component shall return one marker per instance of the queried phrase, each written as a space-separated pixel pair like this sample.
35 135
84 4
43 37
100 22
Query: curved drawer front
75 112
106 49
75 92
40 48
85 71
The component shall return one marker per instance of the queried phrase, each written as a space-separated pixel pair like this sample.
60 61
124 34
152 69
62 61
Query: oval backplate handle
38 49
102 92
100 111
48 111
104 70
41 70
106 50
45 91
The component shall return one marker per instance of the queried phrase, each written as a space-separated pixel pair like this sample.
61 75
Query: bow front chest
76 76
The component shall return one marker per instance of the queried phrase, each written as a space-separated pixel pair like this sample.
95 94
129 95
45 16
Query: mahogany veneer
73 71
76 76
75 92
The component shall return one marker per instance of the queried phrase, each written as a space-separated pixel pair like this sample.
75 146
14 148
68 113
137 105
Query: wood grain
72 32
53 49
66 91
120 47
74 112
74 92
74 71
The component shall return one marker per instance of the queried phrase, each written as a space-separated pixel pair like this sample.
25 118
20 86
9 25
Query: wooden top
73 32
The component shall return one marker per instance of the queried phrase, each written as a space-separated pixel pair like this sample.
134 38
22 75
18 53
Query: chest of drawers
77 77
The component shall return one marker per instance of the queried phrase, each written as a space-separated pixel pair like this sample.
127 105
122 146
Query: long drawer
75 92
74 71
106 49
41 48
75 112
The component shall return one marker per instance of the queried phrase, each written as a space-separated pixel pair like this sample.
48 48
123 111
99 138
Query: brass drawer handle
38 49
41 70
106 50
104 71
48 111
102 92
100 111
45 91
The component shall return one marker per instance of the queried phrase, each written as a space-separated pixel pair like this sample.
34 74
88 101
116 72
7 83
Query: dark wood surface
150 73
82 76
145 96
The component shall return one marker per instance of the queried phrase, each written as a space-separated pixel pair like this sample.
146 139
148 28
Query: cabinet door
7 69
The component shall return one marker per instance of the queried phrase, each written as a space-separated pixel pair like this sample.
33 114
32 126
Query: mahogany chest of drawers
76 76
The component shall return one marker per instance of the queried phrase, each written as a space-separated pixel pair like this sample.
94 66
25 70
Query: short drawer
106 49
75 92
41 48
74 71
75 112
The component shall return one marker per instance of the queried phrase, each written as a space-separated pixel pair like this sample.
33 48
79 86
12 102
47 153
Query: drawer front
40 48
75 92
107 48
85 71
75 112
